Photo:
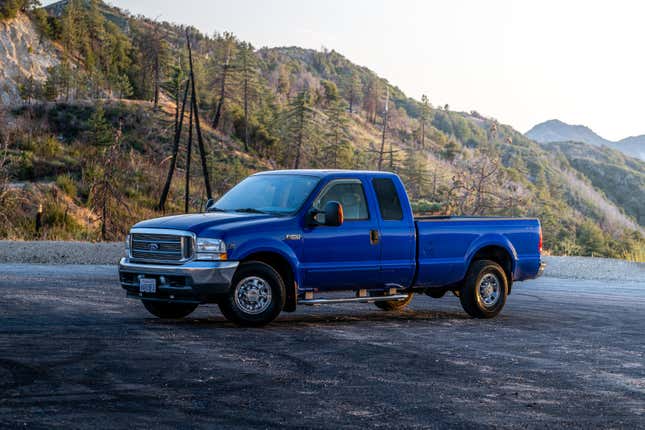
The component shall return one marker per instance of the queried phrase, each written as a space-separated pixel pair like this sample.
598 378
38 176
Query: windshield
274 194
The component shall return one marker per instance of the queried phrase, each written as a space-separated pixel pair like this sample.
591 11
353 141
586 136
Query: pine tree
247 66
225 68
303 130
101 133
337 149
353 91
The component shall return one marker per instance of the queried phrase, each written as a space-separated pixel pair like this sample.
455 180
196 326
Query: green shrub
67 184
48 147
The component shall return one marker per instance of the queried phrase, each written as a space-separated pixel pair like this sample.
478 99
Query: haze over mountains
557 131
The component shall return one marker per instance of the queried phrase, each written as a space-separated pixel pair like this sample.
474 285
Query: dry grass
637 254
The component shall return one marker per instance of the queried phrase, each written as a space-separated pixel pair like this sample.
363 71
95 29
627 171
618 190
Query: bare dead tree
385 111
189 147
484 188
195 107
175 150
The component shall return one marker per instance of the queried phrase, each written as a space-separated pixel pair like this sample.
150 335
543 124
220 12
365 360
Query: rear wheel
394 305
485 289
169 310
257 295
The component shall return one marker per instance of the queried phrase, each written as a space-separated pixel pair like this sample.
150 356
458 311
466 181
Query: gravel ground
57 252
607 269
565 353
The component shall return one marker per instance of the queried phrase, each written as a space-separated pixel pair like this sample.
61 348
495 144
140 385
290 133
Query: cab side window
388 199
350 195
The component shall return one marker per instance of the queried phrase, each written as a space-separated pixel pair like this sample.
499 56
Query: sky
521 62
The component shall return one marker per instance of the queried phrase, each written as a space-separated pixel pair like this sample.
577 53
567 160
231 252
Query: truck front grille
160 248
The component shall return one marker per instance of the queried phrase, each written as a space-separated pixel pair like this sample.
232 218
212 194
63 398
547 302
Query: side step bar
352 300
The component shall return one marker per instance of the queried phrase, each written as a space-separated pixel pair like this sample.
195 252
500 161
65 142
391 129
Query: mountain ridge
555 130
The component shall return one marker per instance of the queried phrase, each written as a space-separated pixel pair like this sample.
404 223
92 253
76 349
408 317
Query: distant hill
557 131
634 146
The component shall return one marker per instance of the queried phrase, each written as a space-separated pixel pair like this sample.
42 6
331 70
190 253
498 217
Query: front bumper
192 282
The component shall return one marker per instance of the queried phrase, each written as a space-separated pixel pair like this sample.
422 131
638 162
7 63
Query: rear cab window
388 199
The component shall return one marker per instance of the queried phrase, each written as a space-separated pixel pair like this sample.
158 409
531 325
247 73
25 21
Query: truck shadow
301 319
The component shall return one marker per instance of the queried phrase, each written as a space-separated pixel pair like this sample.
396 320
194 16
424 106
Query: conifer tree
302 133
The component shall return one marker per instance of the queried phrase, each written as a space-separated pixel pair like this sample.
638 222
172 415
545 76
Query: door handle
374 237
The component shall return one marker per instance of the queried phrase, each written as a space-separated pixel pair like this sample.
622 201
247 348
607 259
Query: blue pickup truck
280 239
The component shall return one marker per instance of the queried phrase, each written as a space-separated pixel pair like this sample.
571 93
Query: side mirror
209 203
333 214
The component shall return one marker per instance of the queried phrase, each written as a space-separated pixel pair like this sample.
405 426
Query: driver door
342 257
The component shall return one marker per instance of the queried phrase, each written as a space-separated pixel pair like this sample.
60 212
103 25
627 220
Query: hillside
619 177
109 105
558 131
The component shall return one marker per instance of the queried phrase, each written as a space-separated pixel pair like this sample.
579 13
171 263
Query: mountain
633 146
557 131
88 143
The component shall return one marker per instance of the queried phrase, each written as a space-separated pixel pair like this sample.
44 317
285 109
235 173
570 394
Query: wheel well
282 266
500 256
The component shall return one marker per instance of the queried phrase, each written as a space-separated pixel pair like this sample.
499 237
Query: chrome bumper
198 280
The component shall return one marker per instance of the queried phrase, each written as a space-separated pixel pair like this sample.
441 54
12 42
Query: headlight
127 245
211 249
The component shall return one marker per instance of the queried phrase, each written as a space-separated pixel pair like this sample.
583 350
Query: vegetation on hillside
92 144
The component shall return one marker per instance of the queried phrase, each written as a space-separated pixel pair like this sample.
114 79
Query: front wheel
484 292
257 295
169 310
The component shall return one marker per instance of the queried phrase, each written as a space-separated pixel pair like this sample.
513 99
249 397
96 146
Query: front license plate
147 285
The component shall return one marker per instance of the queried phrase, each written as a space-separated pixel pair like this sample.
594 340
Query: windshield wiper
214 209
250 210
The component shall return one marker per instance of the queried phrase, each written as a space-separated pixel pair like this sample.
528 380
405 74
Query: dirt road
75 353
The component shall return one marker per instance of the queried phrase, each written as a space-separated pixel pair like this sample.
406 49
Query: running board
352 300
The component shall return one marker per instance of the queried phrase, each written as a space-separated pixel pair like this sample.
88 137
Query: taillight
540 241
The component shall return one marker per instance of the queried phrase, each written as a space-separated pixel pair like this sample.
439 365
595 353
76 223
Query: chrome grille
164 248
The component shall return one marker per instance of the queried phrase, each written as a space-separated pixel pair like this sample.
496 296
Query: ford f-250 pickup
280 239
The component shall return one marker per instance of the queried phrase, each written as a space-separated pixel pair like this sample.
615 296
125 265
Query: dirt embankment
23 54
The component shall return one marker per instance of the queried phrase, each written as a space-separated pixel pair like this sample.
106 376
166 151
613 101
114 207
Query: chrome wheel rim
253 295
489 289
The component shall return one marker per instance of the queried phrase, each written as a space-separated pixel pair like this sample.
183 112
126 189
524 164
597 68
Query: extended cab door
343 257
397 232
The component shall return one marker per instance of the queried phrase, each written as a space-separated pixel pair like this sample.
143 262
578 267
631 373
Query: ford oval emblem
154 247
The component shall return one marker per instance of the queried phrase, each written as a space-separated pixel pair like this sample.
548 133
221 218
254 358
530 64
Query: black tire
169 310
257 276
394 305
482 305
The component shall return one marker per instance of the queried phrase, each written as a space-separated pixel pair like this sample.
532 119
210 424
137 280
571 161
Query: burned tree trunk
175 150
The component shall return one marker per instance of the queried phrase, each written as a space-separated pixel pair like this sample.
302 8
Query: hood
199 222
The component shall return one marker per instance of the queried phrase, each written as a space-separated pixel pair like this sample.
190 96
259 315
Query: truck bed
447 244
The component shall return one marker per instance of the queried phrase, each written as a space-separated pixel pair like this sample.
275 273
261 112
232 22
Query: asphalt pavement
75 353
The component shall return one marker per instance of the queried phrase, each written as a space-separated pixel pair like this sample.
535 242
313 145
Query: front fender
255 246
